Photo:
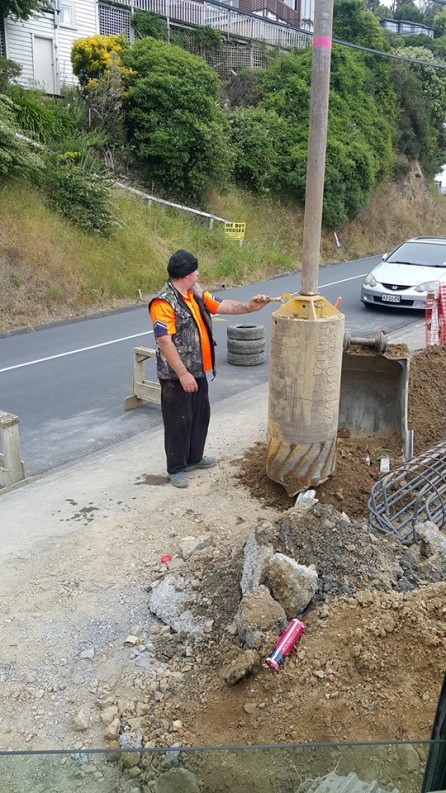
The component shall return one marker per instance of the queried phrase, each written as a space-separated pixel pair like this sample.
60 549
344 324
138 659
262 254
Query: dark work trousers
186 421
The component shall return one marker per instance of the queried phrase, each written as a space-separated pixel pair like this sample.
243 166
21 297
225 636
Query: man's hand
188 382
238 307
257 302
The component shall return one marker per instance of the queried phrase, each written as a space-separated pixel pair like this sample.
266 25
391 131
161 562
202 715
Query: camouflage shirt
187 336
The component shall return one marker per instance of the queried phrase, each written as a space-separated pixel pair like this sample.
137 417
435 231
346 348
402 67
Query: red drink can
285 644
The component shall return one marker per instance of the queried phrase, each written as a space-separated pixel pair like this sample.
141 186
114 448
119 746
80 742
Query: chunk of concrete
433 541
256 559
258 612
292 584
247 663
171 600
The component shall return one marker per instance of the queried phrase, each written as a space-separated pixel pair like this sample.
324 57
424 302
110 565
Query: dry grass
51 270
394 213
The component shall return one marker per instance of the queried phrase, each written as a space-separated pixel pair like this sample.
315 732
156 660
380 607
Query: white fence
230 21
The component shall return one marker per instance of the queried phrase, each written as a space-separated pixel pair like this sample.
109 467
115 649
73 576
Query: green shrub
207 38
255 140
93 55
83 198
39 116
16 156
106 115
177 131
9 71
147 23
359 141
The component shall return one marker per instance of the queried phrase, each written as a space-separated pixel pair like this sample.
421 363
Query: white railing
227 20
149 198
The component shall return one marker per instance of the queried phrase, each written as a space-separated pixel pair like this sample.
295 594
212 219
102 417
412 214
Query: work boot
179 479
206 462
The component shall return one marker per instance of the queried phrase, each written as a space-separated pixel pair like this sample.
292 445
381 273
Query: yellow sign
235 231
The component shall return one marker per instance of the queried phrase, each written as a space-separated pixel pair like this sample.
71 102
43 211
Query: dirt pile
427 397
357 468
368 667
371 660
349 487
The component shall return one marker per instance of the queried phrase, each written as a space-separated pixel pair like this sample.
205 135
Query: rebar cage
413 493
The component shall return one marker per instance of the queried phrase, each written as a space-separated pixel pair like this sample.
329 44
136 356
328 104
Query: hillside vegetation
50 269
153 112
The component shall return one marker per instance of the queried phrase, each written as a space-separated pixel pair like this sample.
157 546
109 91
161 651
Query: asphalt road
67 383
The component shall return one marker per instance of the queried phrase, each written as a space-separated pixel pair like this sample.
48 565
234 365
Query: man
181 316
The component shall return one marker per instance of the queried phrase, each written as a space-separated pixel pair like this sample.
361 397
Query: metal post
317 141
168 19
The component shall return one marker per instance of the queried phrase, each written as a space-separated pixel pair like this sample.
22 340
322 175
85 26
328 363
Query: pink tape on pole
322 41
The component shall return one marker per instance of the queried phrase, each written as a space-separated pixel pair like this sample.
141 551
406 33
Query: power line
390 54
384 54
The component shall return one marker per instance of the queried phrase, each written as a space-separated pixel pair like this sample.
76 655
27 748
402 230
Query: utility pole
317 144
307 332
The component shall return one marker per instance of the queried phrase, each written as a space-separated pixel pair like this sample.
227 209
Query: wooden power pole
307 332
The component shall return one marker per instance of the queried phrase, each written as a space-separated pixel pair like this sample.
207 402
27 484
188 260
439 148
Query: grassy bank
50 270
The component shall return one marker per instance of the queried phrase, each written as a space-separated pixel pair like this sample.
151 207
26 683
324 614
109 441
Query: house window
66 15
113 20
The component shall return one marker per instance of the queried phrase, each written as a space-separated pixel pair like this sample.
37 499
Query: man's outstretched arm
241 307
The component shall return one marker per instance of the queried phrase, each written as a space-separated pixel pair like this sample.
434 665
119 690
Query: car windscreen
420 253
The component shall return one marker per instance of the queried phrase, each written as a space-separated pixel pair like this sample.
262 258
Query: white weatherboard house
42 44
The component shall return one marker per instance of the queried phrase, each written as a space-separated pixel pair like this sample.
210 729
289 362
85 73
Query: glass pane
66 15
325 768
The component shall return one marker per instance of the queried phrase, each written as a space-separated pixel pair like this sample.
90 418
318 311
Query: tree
255 138
174 123
429 8
406 9
359 143
21 9
423 100
382 11
353 22
439 22
413 126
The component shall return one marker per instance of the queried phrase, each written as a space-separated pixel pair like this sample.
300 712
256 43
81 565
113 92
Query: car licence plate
391 298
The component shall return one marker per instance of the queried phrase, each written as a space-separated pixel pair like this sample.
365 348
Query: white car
405 277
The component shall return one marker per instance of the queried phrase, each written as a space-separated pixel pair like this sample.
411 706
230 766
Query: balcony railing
229 20
278 10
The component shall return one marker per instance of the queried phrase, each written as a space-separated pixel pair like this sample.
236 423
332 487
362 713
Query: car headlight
428 286
370 280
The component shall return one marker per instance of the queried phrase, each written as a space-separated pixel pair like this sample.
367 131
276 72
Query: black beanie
181 263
